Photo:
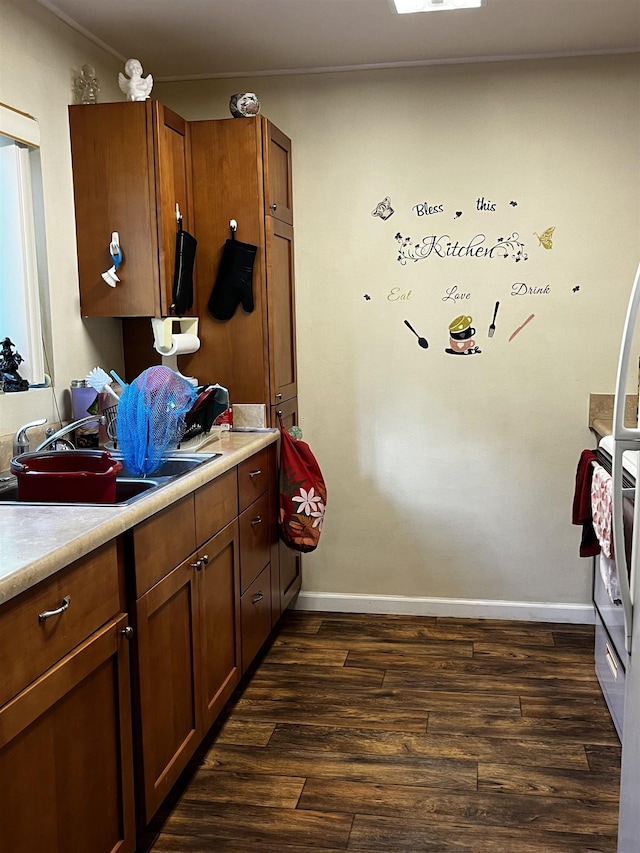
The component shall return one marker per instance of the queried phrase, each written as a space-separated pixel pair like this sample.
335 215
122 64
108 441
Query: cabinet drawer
31 644
254 541
162 542
216 505
253 477
255 607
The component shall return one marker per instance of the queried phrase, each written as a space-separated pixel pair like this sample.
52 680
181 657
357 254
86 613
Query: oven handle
624 579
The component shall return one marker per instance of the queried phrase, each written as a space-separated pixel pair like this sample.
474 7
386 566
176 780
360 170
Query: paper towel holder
171 343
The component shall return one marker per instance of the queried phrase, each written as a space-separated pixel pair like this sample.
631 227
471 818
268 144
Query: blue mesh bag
151 417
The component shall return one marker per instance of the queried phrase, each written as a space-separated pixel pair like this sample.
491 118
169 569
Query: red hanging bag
303 494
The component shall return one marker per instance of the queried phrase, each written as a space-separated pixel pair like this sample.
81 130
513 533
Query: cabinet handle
279 413
205 559
197 565
274 206
48 613
127 632
257 597
256 520
278 396
255 473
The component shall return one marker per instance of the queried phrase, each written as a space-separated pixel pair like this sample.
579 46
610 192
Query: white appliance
626 441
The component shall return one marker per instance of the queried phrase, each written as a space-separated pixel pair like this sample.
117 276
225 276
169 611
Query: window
22 245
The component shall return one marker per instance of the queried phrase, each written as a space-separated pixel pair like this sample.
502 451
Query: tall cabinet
242 172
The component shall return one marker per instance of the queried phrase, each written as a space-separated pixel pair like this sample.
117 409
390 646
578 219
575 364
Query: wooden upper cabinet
278 187
131 166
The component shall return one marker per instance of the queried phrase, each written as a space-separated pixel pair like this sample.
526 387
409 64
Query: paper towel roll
181 344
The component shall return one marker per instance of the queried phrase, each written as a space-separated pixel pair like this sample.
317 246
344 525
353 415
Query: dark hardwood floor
393 734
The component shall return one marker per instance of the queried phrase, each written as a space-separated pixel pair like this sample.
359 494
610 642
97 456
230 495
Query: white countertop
37 540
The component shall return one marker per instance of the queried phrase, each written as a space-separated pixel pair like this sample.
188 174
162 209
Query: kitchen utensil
424 343
492 327
100 381
120 382
151 417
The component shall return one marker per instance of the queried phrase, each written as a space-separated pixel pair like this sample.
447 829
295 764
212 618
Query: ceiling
191 39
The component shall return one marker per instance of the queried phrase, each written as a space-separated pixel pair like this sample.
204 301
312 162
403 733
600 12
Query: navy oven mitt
234 282
183 271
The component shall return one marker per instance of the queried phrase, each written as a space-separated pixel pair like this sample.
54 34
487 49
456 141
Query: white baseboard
464 608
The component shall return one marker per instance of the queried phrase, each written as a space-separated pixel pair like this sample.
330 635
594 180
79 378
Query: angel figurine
135 86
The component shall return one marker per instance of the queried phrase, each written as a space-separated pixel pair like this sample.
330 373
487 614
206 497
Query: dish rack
192 431
110 417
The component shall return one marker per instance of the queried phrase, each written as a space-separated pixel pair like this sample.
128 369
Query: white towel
609 575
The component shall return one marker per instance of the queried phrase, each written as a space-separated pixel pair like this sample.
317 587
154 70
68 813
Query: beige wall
452 476
39 57
449 476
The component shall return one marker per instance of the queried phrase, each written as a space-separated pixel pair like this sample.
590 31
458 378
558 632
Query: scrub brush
100 381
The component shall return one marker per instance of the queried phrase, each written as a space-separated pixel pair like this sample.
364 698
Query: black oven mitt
234 282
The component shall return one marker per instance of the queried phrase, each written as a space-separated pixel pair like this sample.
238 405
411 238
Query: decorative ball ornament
244 105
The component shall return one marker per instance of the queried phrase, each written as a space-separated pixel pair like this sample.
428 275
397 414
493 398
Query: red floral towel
601 508
303 494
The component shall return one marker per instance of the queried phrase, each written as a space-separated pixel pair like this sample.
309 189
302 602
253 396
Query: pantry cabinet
243 169
66 765
131 167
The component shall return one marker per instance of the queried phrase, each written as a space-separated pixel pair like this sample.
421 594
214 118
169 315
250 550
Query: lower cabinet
66 766
203 586
167 665
256 616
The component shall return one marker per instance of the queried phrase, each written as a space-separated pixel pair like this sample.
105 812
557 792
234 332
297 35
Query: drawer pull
47 614
205 559
255 473
256 520
274 206
257 597
278 397
613 666
127 632
197 565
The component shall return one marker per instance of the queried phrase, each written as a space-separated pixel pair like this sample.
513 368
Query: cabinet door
114 190
281 311
256 616
254 540
278 184
219 600
168 690
173 170
66 766
228 184
131 166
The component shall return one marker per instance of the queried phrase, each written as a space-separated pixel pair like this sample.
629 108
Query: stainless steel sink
129 487
172 466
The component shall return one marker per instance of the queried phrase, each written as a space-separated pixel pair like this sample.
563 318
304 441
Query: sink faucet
65 430
21 439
